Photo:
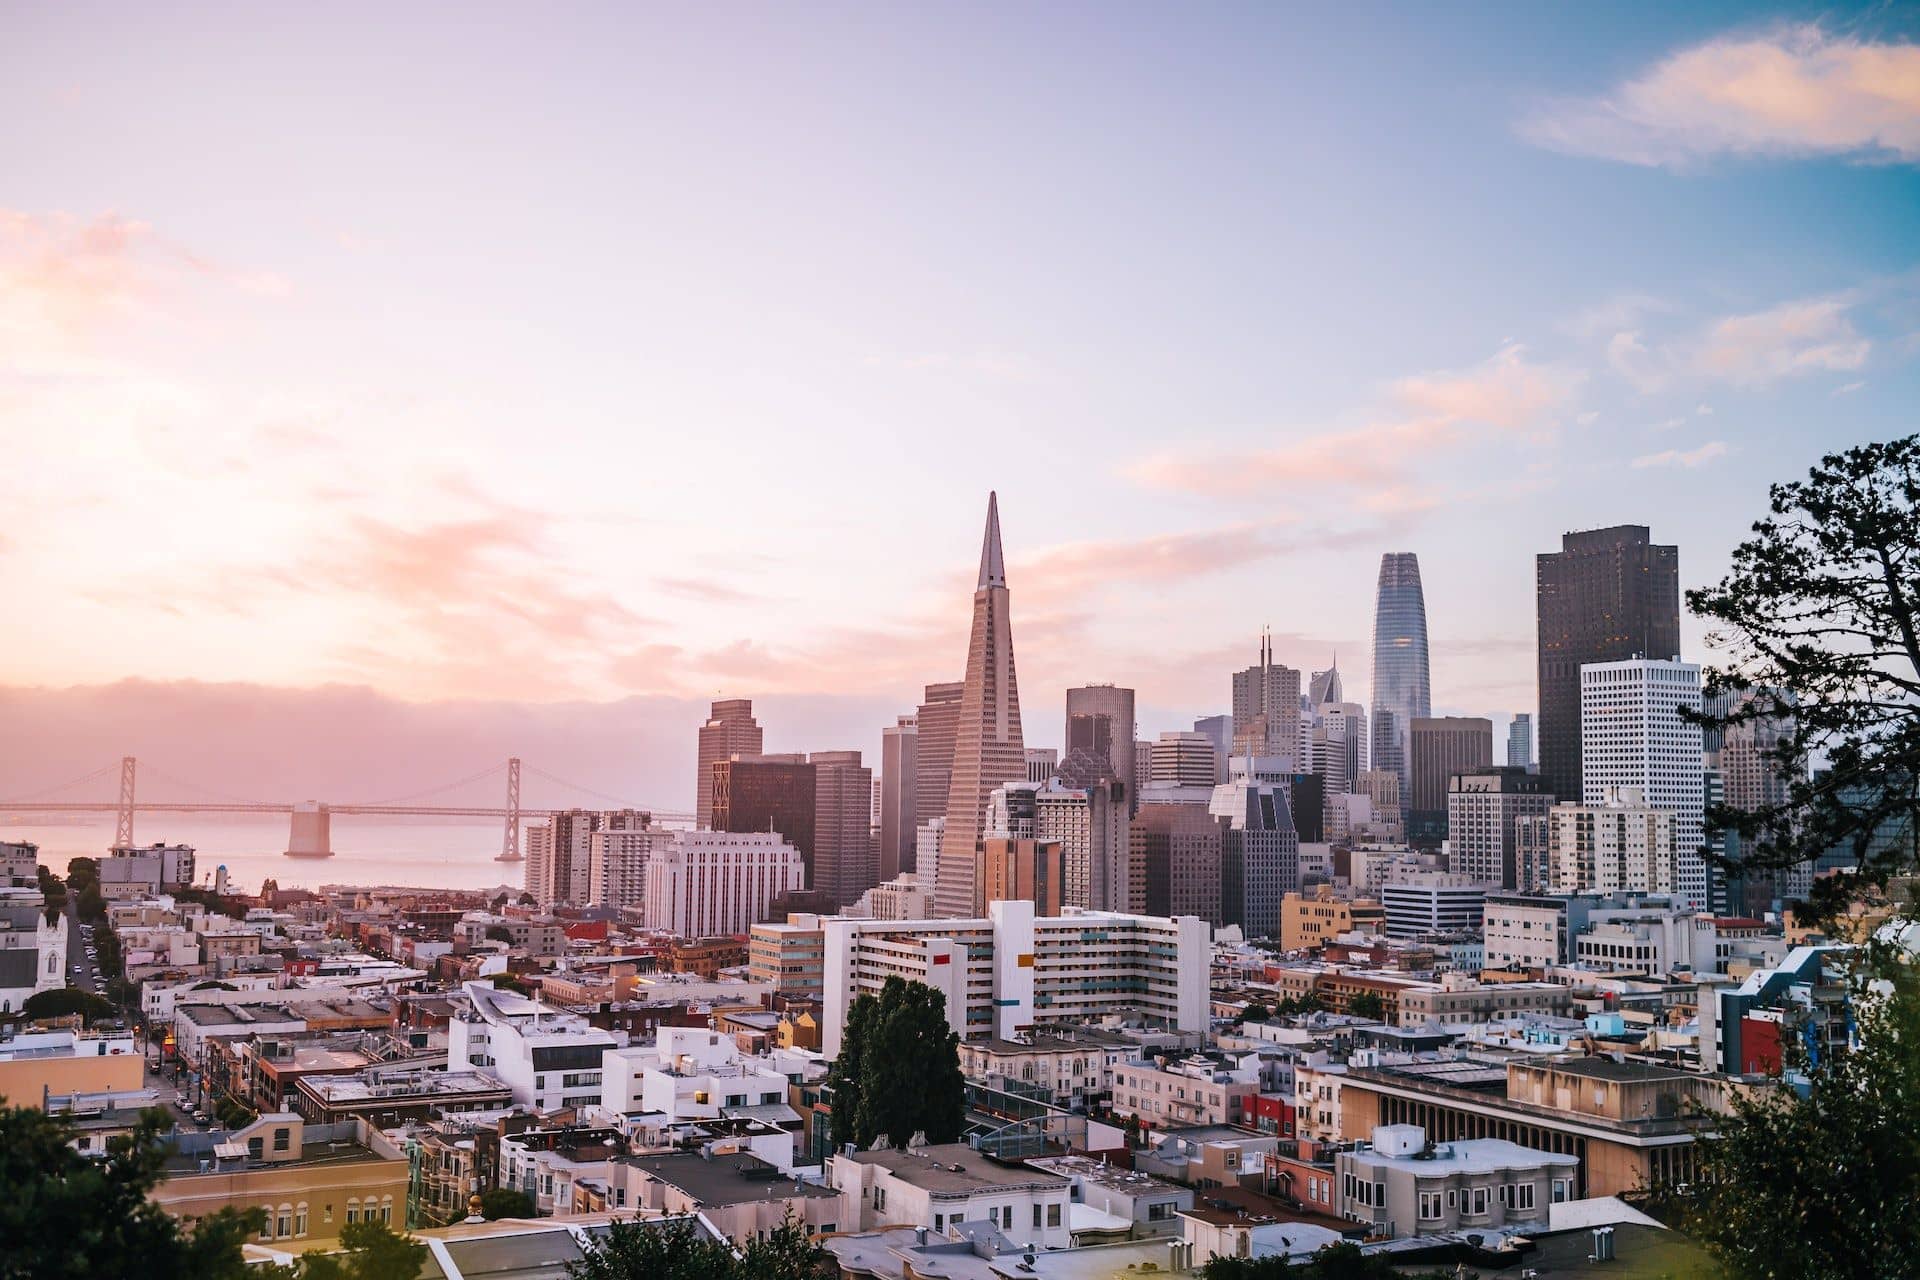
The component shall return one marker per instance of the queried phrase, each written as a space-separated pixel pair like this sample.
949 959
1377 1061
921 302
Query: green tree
678 1250
506 1202
673 1250
369 1251
65 1215
1367 1004
788 1252
1255 1012
910 1067
1757 1203
847 1073
61 1001
1816 624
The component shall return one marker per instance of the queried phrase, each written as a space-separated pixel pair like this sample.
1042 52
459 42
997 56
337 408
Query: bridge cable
103 771
430 791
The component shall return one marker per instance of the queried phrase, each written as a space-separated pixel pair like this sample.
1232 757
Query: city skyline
200 502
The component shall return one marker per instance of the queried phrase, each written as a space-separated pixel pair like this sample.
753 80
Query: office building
1752 781
1526 932
559 852
1012 810
1336 745
1011 970
1633 733
1402 687
1631 1125
938 717
1619 845
1219 731
1382 788
845 861
1482 810
1260 853
1324 686
789 955
1041 762
1185 760
1100 722
1420 904
1520 741
1309 919
899 796
1084 810
714 883
1606 596
776 793
1438 748
1266 707
987 745
730 731
1177 849
1025 870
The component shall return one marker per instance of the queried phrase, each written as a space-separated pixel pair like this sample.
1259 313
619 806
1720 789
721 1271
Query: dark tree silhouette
1817 628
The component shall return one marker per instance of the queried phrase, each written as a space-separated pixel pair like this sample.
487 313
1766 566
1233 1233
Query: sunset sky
545 357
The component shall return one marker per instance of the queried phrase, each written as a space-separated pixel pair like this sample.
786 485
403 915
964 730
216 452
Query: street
83 971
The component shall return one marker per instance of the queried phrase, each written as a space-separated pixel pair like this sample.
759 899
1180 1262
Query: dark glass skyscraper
1606 596
1402 690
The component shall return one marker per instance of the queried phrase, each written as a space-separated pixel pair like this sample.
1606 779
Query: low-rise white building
548 1057
691 1074
1405 1186
938 1187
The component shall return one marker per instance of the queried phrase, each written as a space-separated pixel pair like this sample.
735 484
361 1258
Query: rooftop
1475 1155
1102 1174
725 1179
951 1169
1609 1070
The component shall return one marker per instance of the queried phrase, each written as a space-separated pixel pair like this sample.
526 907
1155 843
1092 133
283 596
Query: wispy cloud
1846 389
1686 458
1793 91
1423 414
1750 349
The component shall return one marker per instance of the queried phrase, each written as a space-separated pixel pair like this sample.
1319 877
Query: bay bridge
310 821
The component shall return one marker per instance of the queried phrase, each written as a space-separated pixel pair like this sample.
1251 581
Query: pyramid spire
993 566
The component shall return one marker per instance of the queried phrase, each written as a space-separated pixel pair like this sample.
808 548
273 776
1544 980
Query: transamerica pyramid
988 750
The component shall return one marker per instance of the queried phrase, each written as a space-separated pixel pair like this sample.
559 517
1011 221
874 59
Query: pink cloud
1427 413
1795 91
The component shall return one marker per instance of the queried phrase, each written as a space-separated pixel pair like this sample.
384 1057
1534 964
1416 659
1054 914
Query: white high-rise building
617 864
1620 845
560 852
710 883
1632 736
1006 972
